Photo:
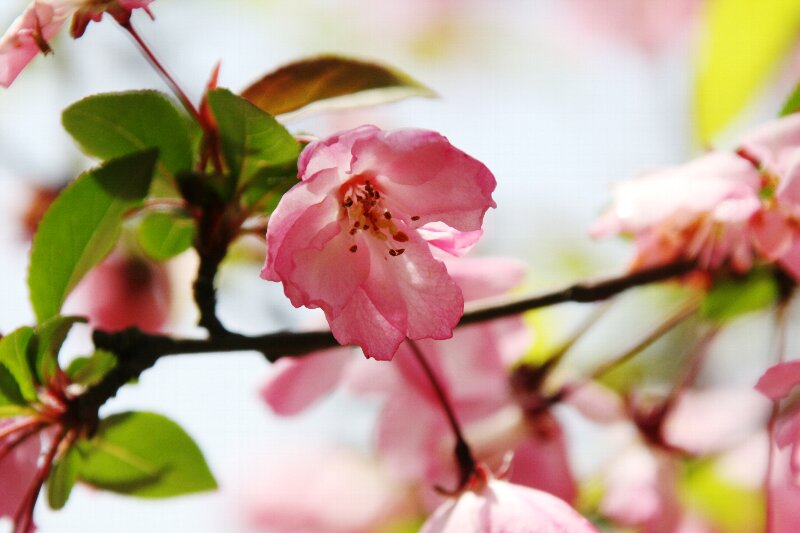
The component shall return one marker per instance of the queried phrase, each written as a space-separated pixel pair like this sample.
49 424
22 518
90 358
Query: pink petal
485 277
780 380
772 234
775 143
450 240
361 323
18 46
297 383
333 153
424 176
414 292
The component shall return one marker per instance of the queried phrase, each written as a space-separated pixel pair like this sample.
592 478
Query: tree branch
137 351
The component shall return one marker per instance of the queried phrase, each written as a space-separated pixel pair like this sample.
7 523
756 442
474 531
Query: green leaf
62 478
742 45
14 357
163 235
43 350
331 82
88 371
730 507
112 125
267 187
81 227
10 393
144 455
730 298
792 104
251 139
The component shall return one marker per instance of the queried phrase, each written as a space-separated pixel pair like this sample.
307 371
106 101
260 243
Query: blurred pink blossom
18 463
723 208
346 238
31 32
502 507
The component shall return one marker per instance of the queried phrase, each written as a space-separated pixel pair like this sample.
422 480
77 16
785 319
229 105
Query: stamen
354 248
415 218
400 236
387 215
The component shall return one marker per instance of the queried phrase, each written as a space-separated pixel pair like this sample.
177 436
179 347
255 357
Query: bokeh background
560 98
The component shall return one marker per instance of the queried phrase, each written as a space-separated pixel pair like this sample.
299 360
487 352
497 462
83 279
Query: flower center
363 208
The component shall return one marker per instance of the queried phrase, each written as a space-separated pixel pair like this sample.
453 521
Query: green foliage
88 371
44 348
14 357
742 45
731 298
144 455
112 125
792 104
81 227
163 235
62 478
251 139
331 82
732 508
10 393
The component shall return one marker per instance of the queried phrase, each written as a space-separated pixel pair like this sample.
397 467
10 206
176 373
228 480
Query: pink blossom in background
31 32
345 239
325 491
731 208
648 25
777 384
125 291
17 468
501 507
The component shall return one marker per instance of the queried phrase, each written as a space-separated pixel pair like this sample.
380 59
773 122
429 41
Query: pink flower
125 291
501 507
350 493
345 239
19 456
723 208
777 384
31 32
695 211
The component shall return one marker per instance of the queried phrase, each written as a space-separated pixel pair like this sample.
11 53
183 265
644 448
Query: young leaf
43 351
730 298
741 47
88 371
62 478
162 236
144 455
14 357
82 226
792 104
251 139
331 82
112 125
10 393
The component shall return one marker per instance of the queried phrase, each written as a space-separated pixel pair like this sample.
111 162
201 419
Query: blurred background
559 98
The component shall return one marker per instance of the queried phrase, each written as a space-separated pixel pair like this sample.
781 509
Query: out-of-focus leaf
163 235
14 356
43 351
742 43
144 455
112 125
62 478
251 139
730 298
331 82
82 226
88 371
732 508
10 393
792 104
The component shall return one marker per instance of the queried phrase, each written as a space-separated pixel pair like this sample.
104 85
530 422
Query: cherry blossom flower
346 238
125 291
777 384
31 32
724 208
351 493
499 507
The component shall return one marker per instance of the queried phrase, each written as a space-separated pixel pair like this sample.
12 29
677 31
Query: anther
387 215
348 202
353 231
393 253
400 236
354 248
415 218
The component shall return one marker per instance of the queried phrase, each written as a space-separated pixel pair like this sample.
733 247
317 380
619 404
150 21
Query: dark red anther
415 218
354 248
400 236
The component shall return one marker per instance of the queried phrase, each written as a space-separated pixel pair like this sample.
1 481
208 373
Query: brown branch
137 351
